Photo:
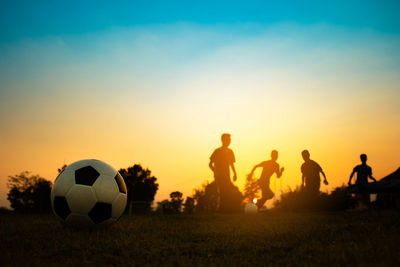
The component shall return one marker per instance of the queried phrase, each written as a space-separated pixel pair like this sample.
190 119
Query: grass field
345 238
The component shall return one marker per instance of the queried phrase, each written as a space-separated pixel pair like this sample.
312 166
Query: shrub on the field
189 205
4 210
172 206
390 200
142 187
251 189
298 199
338 199
29 193
176 201
207 199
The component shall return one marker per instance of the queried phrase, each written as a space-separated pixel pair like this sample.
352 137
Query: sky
158 82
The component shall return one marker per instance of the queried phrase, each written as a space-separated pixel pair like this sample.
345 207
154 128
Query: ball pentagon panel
60 207
101 212
86 175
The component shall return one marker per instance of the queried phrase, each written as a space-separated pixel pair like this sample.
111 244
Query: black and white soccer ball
89 193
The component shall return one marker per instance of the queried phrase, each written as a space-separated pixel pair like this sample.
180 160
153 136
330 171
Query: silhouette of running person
221 160
310 174
363 173
269 167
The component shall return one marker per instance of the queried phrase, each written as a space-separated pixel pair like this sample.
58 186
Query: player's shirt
363 171
222 158
311 170
269 167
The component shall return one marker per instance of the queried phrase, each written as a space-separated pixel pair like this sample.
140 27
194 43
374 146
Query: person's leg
366 200
260 202
266 195
234 199
311 194
363 195
224 192
218 199
318 186
313 188
219 193
269 194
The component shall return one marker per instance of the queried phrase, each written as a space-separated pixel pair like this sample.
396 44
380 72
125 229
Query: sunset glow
161 92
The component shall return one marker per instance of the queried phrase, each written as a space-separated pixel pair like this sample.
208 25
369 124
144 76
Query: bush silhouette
141 186
207 198
29 193
189 205
298 199
172 206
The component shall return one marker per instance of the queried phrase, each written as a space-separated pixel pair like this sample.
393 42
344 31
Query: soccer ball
88 193
250 208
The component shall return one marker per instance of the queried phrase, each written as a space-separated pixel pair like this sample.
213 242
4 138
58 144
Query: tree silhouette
141 186
176 201
172 206
189 205
206 198
251 189
29 193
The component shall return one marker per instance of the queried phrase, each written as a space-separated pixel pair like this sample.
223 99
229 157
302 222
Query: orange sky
165 106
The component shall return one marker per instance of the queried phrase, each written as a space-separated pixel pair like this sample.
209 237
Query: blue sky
167 77
32 19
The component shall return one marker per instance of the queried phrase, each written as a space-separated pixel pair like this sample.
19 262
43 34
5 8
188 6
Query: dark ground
343 238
